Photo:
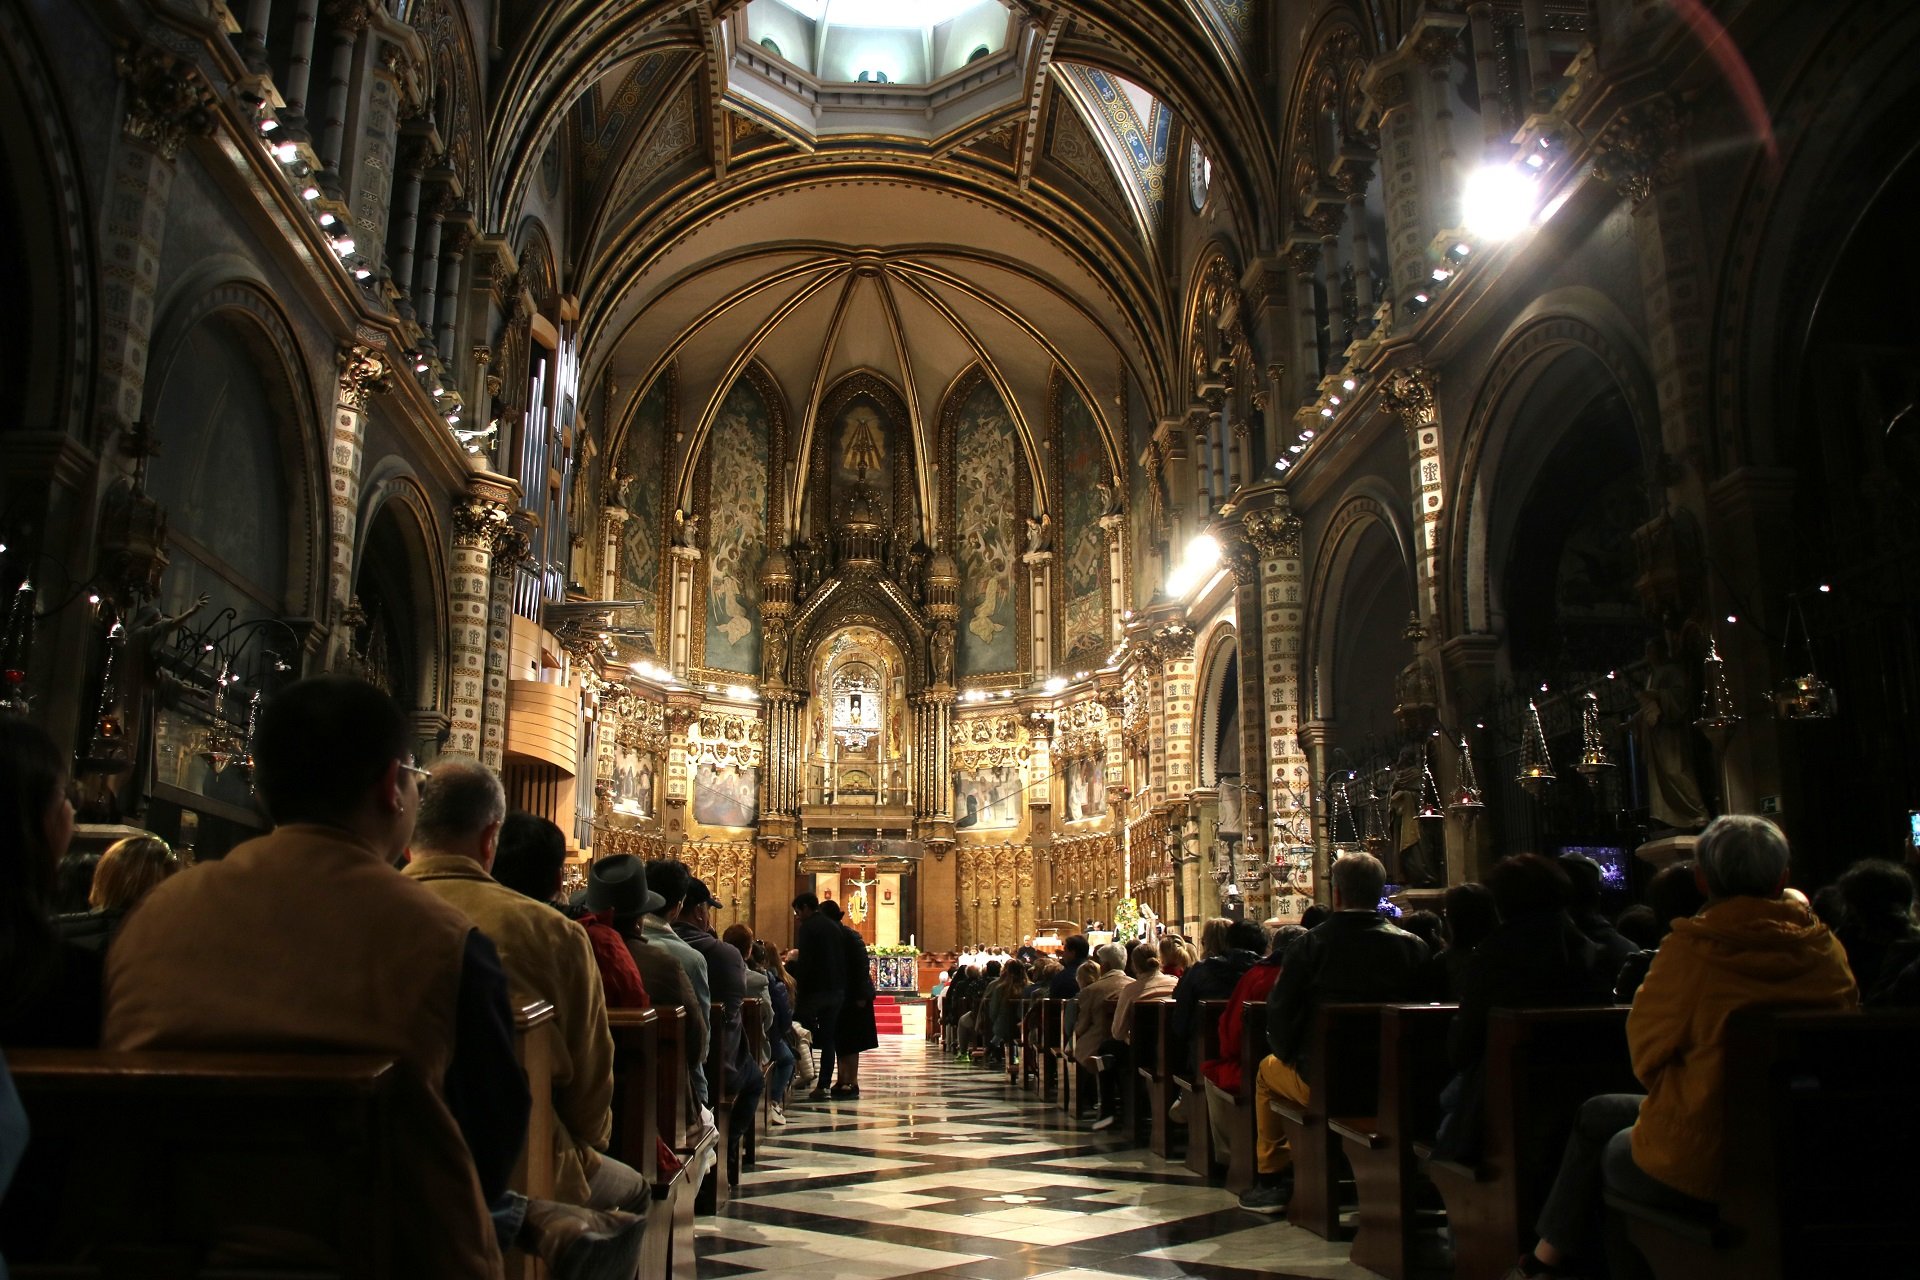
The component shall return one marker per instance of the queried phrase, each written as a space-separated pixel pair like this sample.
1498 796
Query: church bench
1023 1051
1343 1077
637 1085
1541 1064
1049 1045
534 1030
1820 1125
1061 1048
1243 1126
1153 1073
750 1022
719 1184
1379 1147
1187 1079
181 1163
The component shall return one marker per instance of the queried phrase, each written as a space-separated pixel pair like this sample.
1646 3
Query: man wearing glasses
307 939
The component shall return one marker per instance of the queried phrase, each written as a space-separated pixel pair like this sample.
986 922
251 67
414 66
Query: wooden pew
1187 1078
1050 1046
1062 1048
534 1030
1153 1068
1151 1075
1821 1126
1343 1075
750 1019
1379 1147
1020 1050
157 1164
1242 1126
718 1187
637 1082
1541 1065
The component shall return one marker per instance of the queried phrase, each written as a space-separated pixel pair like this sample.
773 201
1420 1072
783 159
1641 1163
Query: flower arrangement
1126 920
893 951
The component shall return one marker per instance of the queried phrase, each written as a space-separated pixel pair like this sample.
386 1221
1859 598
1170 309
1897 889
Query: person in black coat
857 1031
1536 958
1232 947
1073 953
1584 875
820 971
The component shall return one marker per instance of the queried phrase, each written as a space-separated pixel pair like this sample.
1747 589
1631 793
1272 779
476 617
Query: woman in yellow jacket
1750 945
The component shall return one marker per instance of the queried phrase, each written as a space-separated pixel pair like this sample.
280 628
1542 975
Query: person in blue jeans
780 1038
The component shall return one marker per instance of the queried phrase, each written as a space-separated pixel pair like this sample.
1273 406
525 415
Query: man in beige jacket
1093 1025
546 956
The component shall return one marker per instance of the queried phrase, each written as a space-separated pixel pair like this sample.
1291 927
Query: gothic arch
46 219
1577 325
392 491
1369 504
229 291
1325 107
1223 655
862 603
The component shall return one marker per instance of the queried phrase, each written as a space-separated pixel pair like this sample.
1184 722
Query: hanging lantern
1806 697
1343 808
1465 801
1594 759
1718 718
1430 809
1536 766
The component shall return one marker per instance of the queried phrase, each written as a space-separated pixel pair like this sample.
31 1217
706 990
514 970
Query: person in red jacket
1223 1074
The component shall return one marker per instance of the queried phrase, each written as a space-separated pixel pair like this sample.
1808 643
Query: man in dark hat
617 886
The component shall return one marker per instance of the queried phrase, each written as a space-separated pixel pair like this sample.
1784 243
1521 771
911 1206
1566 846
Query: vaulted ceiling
727 195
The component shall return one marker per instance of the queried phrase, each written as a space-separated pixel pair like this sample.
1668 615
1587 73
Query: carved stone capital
349 17
363 375
478 521
1172 642
1303 258
1638 148
1274 531
167 99
512 543
1410 393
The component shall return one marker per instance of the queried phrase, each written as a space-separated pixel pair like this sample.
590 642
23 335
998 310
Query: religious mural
1086 493
986 799
1086 788
726 795
862 456
985 458
641 475
633 775
737 526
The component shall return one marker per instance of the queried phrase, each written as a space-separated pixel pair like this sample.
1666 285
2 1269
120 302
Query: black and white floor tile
947 1170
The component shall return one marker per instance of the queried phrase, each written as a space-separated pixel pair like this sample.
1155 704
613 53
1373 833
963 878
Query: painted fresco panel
643 474
984 462
736 530
1086 786
726 795
986 799
863 455
1084 543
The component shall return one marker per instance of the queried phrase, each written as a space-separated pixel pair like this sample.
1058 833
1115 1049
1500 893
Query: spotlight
287 152
1295 448
1326 413
327 219
361 273
1498 202
1824 588
310 192
269 124
1348 384
1333 399
1442 274
1307 433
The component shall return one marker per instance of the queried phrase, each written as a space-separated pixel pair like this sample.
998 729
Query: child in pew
1750 945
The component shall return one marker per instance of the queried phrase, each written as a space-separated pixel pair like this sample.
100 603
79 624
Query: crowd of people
390 910
1714 934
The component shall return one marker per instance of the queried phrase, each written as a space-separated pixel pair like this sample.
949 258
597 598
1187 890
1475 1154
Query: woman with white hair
1752 944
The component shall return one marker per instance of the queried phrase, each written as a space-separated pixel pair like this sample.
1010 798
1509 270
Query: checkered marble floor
946 1170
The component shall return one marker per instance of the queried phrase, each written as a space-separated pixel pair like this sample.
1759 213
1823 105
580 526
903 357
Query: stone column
510 547
1411 394
1486 75
253 47
406 225
1303 257
479 515
685 562
350 18
1040 609
1316 737
1327 221
613 536
1355 177
1114 525
1245 561
167 101
427 283
363 375
458 235
1273 532
1410 92
299 66
1539 57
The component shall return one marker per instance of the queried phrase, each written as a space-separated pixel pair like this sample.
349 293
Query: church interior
1015 468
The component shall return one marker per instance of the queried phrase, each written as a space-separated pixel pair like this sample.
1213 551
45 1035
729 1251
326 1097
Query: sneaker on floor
1105 1122
1267 1199
776 1116
1178 1111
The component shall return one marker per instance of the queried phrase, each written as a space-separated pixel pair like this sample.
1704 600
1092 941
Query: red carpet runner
886 1015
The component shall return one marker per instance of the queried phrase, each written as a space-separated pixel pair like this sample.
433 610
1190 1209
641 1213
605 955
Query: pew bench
1153 1076
1343 1078
1242 1124
1050 1010
534 1033
178 1163
649 1075
1820 1125
1391 1192
1187 1079
1541 1064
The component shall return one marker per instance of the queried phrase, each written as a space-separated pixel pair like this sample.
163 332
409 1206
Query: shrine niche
862 452
858 720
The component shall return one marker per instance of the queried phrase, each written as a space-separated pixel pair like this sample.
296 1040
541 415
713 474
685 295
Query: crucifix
865 903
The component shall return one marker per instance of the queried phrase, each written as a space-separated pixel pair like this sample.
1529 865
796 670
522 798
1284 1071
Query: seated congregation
377 1041
1520 1085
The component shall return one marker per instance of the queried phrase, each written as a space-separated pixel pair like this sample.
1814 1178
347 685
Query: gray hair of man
1741 855
1111 956
1359 880
460 800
